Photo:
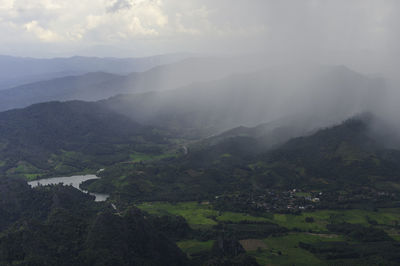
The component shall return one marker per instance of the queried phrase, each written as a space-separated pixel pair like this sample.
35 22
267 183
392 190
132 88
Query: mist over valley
213 133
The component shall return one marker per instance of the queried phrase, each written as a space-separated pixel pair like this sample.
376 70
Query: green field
282 250
285 251
236 217
138 157
195 214
26 170
198 215
191 247
385 217
277 250
31 177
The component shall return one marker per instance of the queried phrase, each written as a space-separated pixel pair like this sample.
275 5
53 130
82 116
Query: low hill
69 137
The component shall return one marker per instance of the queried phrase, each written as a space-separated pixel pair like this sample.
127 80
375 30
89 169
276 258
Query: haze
362 35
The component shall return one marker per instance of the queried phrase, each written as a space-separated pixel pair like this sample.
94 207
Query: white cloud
104 20
6 4
74 20
41 33
201 24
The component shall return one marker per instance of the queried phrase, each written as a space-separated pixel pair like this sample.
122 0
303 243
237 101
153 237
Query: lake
75 181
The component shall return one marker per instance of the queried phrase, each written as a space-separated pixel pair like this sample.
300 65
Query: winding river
74 181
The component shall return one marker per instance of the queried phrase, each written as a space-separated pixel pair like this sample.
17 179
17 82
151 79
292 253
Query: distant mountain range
101 85
16 71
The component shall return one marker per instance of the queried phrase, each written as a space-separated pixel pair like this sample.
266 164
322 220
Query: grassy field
270 251
195 214
31 177
236 217
191 247
203 214
322 218
26 170
280 250
138 157
285 251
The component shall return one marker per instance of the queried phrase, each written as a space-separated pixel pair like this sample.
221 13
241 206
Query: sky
295 28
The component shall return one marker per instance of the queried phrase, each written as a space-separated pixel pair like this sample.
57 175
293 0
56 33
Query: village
296 200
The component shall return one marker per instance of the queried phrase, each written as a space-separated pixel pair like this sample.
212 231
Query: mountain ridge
102 85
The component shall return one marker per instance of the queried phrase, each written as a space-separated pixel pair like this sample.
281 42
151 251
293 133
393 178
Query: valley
199 133
187 177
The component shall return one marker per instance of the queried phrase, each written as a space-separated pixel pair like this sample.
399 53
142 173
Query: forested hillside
63 138
61 226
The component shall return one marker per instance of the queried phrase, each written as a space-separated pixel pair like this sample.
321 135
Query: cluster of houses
271 201
296 200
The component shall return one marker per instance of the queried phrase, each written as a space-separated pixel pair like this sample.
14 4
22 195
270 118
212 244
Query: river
75 181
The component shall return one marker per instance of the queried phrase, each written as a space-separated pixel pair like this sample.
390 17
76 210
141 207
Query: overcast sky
144 27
